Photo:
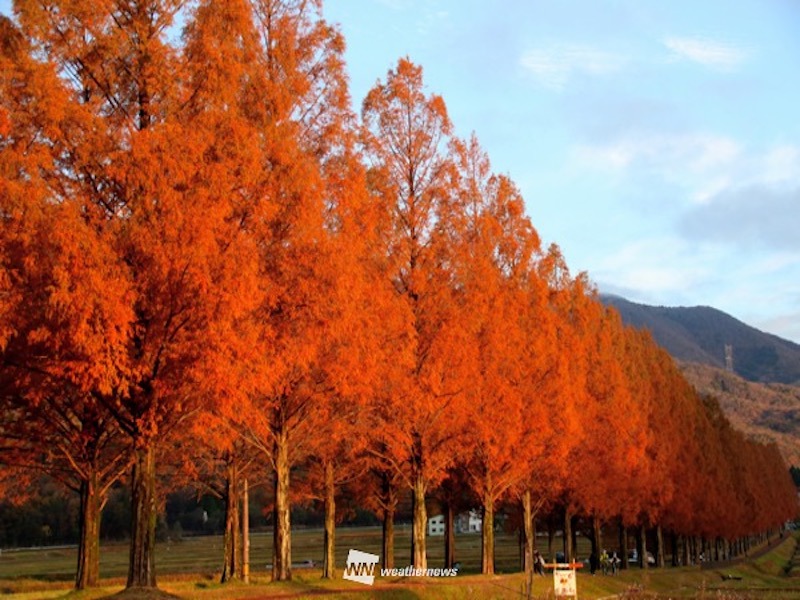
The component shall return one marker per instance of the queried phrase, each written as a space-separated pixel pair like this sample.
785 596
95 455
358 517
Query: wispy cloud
671 156
705 165
707 52
553 67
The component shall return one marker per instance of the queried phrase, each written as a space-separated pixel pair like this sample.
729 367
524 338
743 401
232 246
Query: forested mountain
761 397
699 334
765 411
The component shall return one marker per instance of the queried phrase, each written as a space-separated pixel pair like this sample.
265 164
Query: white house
469 522
436 525
466 522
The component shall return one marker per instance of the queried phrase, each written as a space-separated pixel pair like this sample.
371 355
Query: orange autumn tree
405 138
293 93
354 354
493 245
164 191
571 303
614 425
551 384
65 320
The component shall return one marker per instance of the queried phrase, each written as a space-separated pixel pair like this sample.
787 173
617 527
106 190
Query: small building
469 522
436 525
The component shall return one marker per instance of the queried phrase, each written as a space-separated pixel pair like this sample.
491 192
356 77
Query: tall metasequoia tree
570 302
614 431
63 314
404 142
163 188
493 246
293 94
550 383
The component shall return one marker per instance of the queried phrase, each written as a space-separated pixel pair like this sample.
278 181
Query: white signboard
565 582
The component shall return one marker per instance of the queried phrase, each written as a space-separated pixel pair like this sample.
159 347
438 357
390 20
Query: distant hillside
767 412
699 334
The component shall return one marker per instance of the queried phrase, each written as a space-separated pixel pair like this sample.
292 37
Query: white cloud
655 266
555 66
675 158
709 53
706 166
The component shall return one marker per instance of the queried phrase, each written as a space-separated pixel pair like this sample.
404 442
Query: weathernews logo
360 567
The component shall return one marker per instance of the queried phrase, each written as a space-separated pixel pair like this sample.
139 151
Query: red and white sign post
565 582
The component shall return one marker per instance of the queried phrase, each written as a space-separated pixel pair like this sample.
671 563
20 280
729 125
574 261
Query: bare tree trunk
388 538
661 561
329 559
674 545
487 536
643 556
528 533
245 532
597 541
389 500
141 565
88 573
568 548
449 536
232 556
282 534
623 545
419 556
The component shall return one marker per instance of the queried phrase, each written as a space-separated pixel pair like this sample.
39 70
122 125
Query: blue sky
658 143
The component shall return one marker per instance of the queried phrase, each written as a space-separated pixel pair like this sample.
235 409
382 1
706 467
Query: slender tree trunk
623 545
597 542
643 556
329 560
282 534
388 500
528 533
388 538
245 532
419 557
449 536
661 561
674 548
232 555
487 536
88 573
141 565
568 549
551 539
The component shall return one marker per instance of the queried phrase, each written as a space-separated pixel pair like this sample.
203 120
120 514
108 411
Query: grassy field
189 569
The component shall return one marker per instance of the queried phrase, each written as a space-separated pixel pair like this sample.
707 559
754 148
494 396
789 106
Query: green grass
190 569
204 554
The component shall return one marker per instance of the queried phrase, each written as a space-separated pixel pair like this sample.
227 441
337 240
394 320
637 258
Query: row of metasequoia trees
207 260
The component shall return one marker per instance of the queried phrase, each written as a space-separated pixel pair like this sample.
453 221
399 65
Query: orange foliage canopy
201 228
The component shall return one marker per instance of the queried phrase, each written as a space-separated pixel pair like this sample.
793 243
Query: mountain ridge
699 334
761 393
